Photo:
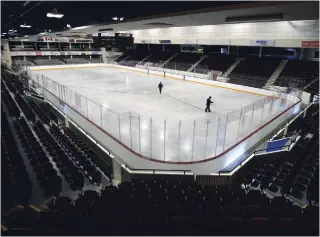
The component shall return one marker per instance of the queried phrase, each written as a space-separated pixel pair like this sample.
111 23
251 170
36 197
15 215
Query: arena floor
199 135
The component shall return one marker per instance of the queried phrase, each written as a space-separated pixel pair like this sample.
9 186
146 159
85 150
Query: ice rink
171 126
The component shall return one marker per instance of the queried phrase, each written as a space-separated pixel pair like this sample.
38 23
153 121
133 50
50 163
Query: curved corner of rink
144 142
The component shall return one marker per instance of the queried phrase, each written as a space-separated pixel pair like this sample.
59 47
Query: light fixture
80 27
25 26
12 30
54 14
26 36
68 26
4 33
115 18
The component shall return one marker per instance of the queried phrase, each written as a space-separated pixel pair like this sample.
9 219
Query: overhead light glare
54 14
25 26
80 27
115 18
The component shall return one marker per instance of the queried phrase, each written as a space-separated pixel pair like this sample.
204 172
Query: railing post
215 152
225 133
164 139
239 125
87 107
179 139
264 102
151 137
205 145
130 129
139 135
101 116
119 128
252 113
194 130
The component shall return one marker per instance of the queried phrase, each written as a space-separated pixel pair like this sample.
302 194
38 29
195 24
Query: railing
165 139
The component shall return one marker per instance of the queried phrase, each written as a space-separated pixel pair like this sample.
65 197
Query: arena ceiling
214 15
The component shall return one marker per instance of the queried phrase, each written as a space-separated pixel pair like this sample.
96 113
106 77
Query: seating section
15 180
254 71
135 58
40 61
266 196
294 175
183 61
80 60
299 72
157 58
217 62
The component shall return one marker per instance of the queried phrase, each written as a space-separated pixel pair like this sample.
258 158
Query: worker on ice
160 86
209 102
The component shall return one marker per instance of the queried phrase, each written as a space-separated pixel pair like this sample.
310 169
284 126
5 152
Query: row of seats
253 71
11 105
61 159
290 174
183 61
49 180
155 207
158 57
298 70
66 48
15 181
217 62
80 154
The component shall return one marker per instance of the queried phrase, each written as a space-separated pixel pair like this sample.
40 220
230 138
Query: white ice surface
172 126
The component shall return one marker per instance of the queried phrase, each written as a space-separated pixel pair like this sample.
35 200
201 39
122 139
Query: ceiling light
25 26
121 18
4 33
114 18
54 14
68 26
26 35
12 30
80 27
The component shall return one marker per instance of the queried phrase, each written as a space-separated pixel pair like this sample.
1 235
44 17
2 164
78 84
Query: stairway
168 60
197 63
230 69
125 58
142 61
276 73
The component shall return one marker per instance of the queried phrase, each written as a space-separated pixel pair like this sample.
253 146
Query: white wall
285 33
6 57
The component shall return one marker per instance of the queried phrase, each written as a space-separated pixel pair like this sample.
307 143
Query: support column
116 168
260 52
66 121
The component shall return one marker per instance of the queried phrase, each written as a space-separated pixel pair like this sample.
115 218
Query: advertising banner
310 44
189 41
262 42
145 41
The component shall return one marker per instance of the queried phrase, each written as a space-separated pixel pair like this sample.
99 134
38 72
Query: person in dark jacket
160 86
209 102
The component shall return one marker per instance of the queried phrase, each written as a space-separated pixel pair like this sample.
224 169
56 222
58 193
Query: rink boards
132 159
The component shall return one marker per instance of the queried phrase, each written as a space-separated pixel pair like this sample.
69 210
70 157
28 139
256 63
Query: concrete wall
284 33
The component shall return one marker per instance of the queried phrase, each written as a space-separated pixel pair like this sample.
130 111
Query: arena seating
143 207
75 60
253 71
135 58
217 62
123 56
183 61
299 72
157 58
53 61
